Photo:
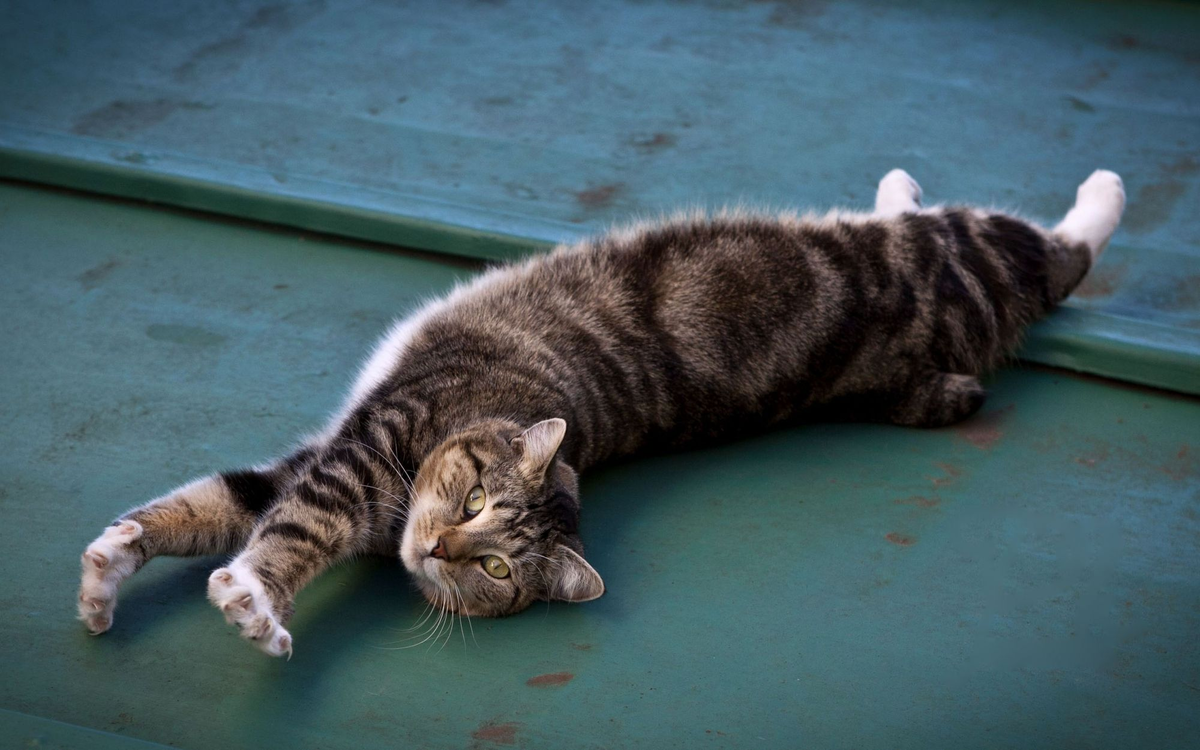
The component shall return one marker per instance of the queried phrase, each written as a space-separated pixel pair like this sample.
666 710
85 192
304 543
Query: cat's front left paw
239 595
106 563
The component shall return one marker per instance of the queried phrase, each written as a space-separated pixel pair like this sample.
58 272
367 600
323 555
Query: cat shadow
361 609
144 606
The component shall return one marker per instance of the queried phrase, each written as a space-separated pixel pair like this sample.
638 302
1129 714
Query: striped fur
660 336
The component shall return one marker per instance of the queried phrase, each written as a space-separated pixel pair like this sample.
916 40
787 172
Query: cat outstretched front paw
106 563
239 595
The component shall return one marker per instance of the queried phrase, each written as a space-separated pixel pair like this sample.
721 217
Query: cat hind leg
898 193
939 399
1099 203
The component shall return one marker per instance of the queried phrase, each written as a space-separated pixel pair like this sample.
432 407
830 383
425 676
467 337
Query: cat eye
475 502
495 567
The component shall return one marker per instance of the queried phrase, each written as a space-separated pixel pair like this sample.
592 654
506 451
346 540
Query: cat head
493 522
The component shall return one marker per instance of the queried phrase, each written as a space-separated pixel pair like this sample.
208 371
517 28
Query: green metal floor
1031 579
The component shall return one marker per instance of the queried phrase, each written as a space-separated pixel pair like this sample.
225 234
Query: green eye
495 567
475 501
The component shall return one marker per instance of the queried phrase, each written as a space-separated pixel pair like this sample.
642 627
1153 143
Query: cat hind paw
898 193
1099 204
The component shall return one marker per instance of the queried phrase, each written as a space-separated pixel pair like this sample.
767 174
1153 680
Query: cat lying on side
459 446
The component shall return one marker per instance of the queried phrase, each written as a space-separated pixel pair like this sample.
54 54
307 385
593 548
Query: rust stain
1179 294
1124 41
983 430
123 117
920 501
951 471
1154 205
901 539
90 278
1186 166
1101 282
1181 465
598 197
501 734
1079 105
1092 458
554 679
652 143
581 646
796 14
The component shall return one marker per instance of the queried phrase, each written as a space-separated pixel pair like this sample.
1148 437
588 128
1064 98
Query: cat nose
439 551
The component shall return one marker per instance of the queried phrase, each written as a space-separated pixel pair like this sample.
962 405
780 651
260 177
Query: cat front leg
208 516
337 508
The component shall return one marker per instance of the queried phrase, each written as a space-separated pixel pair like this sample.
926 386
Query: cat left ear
574 579
538 444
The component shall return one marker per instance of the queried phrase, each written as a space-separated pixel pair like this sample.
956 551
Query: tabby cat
459 446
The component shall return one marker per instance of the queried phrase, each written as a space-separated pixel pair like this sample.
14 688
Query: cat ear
538 444
574 580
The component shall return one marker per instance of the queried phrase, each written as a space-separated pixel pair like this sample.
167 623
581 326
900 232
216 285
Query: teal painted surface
1030 579
25 731
493 129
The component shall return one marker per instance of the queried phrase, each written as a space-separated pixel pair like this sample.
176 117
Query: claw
98 625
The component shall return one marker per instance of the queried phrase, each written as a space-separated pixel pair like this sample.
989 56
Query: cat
459 446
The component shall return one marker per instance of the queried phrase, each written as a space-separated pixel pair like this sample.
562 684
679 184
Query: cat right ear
574 579
538 444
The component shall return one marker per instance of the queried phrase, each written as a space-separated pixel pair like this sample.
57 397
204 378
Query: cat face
492 523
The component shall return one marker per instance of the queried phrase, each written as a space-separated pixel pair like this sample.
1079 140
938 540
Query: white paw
239 595
1103 191
898 193
106 563
1099 203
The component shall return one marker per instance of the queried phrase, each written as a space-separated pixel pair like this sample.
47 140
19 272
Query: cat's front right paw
240 596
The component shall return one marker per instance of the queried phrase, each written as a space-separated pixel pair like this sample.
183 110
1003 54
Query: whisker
433 632
399 471
463 604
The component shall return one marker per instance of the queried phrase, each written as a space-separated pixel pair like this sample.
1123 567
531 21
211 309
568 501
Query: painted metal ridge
27 730
112 168
1136 351
1082 340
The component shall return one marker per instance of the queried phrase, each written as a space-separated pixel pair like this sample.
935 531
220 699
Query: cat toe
241 598
105 563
